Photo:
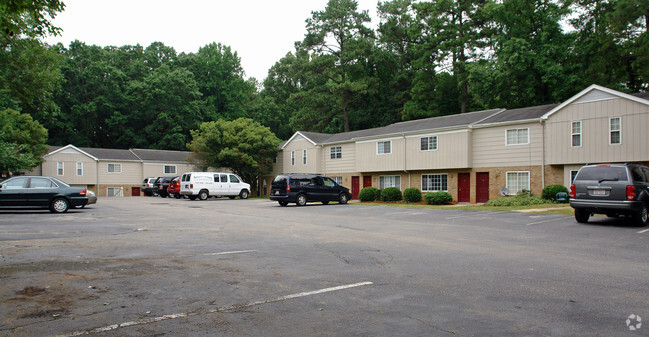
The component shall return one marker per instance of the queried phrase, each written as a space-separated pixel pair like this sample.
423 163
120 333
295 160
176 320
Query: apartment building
480 155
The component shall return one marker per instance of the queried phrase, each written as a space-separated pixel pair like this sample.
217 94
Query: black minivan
303 188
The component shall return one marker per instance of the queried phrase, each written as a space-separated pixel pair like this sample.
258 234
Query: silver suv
611 189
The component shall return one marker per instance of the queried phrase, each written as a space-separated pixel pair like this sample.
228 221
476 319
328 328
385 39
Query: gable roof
124 155
161 155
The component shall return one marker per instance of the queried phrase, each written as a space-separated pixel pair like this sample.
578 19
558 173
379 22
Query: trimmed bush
550 192
519 200
369 194
412 195
438 198
391 194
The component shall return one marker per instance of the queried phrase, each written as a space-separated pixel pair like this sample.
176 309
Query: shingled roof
129 155
516 115
161 155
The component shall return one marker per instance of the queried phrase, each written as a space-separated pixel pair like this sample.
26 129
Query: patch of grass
549 208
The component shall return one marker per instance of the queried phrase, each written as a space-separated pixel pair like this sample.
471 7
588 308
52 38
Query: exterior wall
70 160
368 160
314 157
347 162
131 173
157 169
453 151
595 139
490 149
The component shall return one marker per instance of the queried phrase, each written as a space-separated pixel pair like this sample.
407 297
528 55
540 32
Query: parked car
162 184
611 189
174 188
92 198
44 192
148 186
203 185
303 188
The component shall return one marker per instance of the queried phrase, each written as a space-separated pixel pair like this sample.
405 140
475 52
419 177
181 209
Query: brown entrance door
367 181
135 191
464 187
482 187
355 186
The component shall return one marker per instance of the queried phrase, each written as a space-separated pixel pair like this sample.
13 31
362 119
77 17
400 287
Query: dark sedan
44 192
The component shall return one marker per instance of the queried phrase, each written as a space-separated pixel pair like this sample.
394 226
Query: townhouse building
480 155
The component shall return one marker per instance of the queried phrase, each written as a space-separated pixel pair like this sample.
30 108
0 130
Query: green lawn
543 208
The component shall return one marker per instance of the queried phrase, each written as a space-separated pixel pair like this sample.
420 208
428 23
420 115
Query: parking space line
211 311
643 231
232 252
551 220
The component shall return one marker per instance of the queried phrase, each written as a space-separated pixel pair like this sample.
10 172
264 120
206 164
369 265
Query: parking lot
145 266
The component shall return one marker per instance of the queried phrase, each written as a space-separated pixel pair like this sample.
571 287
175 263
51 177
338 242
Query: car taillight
630 192
83 192
191 185
288 188
572 191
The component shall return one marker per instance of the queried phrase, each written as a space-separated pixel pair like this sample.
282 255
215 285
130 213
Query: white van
203 185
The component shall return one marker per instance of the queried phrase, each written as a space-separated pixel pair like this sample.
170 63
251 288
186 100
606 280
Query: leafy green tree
243 145
22 141
27 18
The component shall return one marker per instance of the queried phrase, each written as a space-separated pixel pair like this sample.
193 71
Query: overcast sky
260 31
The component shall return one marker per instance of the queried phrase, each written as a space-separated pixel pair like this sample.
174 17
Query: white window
434 182
517 137
293 158
114 191
338 180
79 168
518 181
303 157
170 169
59 168
616 130
114 168
389 181
384 147
429 143
576 134
336 152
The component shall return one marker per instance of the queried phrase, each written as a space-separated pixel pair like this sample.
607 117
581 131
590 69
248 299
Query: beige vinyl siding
595 118
313 157
131 173
453 151
368 160
278 166
157 169
70 161
490 149
345 164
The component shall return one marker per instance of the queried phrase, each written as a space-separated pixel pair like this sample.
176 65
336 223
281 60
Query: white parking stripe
551 220
222 309
644 231
232 252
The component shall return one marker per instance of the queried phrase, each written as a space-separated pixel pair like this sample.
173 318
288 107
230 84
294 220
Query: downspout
542 153
405 158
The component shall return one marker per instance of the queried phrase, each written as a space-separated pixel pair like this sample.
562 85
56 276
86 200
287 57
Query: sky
260 31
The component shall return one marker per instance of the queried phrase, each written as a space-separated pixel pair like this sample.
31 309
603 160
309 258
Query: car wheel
581 215
192 197
244 194
203 195
59 205
642 216
325 202
343 198
301 200
283 203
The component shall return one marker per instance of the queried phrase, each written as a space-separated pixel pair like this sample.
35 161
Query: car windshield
60 183
602 173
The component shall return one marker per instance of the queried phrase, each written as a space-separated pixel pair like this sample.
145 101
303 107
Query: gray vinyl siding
490 149
594 117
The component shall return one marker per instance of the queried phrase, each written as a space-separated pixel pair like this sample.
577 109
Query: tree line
423 59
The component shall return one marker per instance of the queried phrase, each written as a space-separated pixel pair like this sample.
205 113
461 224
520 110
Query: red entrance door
482 187
355 186
367 181
464 187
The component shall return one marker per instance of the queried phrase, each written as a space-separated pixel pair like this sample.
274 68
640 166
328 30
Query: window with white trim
615 128
292 158
338 180
170 169
434 182
79 168
518 181
303 157
428 143
576 134
114 168
384 147
389 181
114 191
59 168
336 152
517 137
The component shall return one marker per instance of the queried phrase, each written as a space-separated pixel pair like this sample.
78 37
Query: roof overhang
70 146
297 133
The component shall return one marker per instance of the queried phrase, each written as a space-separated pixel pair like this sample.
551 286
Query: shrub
369 194
391 194
519 200
550 192
438 198
412 195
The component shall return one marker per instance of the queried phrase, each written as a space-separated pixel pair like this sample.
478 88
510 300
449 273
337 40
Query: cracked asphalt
165 267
